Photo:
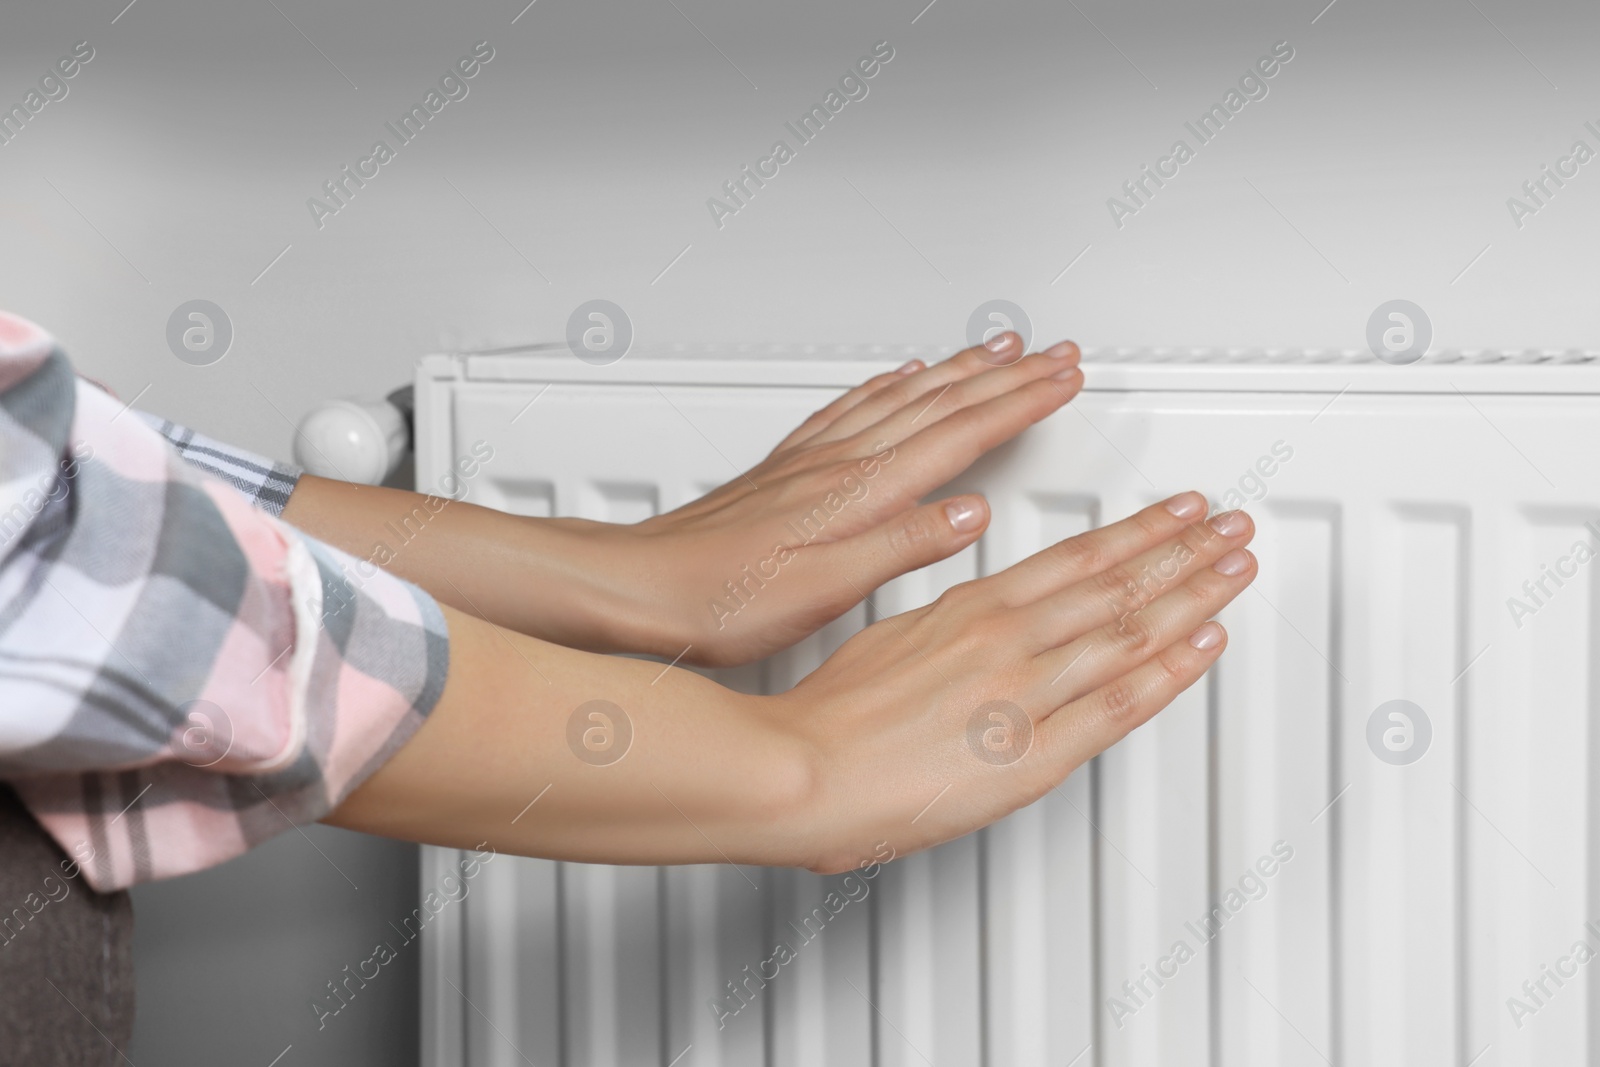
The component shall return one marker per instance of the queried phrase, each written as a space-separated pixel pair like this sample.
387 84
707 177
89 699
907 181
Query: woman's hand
752 567
833 512
934 723
923 727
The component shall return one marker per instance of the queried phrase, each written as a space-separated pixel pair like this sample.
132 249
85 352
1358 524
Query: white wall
979 165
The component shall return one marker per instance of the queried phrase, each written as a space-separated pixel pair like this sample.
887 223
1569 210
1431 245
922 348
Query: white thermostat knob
352 440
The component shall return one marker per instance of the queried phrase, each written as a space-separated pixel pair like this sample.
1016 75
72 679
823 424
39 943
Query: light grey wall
579 166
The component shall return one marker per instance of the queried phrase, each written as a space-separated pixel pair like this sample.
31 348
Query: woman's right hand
934 723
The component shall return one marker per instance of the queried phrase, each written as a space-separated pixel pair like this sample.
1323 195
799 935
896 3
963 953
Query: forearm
556 579
707 775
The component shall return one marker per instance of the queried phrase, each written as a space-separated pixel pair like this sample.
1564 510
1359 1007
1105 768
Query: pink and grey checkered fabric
182 674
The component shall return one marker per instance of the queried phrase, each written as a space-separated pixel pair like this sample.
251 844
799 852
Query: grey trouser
66 954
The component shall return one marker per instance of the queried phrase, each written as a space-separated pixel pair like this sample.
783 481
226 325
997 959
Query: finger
1112 597
1114 649
1060 363
935 455
1067 562
822 418
1087 727
910 540
964 364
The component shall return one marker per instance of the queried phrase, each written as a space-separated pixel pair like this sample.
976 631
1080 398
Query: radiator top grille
1551 356
1548 371
1286 356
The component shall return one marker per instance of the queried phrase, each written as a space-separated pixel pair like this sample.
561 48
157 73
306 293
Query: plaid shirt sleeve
266 484
182 675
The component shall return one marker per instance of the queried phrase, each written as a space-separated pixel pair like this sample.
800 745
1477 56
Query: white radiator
1404 509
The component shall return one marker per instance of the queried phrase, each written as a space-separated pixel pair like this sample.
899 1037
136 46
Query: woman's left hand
833 512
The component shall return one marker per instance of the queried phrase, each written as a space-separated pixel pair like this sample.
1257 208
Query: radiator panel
1418 897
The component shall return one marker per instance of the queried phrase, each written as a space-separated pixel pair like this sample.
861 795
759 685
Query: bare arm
982 701
652 587
552 578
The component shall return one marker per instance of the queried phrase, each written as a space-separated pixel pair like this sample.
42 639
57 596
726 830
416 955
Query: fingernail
1208 636
999 342
1235 562
1186 505
1229 523
964 516
909 366
1067 375
1061 350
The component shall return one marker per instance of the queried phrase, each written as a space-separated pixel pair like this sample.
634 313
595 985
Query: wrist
778 824
726 773
599 587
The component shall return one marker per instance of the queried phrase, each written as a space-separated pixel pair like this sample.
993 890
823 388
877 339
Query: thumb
910 540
